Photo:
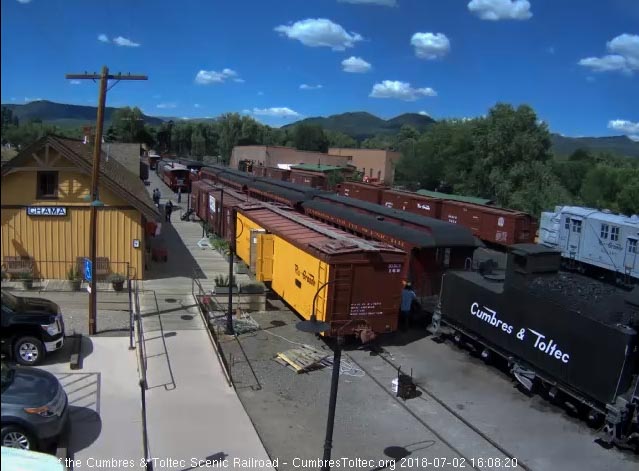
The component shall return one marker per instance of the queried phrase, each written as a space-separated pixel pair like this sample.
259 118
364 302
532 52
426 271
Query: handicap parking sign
88 272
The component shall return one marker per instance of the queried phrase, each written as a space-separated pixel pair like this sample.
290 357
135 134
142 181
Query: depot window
47 185
632 246
604 231
614 233
567 223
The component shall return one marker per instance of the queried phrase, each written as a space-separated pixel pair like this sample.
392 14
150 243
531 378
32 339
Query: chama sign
46 210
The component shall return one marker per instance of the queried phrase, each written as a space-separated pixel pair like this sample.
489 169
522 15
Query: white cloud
551 50
103 38
495 10
120 41
260 93
196 105
310 87
27 99
24 2
627 127
276 112
400 91
239 80
385 3
430 45
166 105
206 77
13 98
320 32
423 113
75 82
624 56
355 65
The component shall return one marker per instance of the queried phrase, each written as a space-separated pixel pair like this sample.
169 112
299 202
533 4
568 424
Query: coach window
47 186
614 233
567 224
604 231
632 246
576 226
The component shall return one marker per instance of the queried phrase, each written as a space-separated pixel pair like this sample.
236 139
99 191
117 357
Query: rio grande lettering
309 278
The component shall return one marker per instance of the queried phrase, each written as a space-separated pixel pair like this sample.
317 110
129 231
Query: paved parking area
104 401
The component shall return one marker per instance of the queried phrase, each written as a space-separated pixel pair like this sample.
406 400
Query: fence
200 295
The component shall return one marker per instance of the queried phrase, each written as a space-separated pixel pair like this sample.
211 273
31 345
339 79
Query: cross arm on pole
109 77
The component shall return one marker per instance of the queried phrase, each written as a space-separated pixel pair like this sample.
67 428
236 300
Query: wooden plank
302 359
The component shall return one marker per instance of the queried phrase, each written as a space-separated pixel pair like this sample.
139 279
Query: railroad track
471 462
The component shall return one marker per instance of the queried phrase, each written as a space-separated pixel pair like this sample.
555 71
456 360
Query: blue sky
576 62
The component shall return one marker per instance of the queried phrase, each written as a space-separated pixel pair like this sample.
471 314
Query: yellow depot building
46 212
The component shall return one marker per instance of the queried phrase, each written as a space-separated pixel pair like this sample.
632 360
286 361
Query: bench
18 265
100 271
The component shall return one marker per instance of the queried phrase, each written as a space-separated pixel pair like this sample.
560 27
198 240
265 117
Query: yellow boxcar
356 284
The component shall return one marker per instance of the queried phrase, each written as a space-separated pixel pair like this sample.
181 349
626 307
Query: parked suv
31 328
34 408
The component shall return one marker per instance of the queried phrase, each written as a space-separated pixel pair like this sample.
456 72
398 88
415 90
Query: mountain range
359 125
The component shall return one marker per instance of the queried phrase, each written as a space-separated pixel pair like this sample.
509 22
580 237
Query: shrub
73 274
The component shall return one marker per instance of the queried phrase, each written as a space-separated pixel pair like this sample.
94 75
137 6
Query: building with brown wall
271 156
376 164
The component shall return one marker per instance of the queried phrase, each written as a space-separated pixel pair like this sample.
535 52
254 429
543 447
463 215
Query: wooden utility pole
104 77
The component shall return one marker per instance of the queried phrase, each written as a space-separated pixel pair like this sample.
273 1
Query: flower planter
118 285
27 284
225 290
75 284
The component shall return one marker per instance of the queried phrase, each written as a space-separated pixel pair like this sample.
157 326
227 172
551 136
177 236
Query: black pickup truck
31 328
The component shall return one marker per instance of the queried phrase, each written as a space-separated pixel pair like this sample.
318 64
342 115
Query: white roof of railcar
601 215
175 166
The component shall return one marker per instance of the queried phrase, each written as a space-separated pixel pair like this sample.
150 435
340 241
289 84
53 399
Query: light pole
315 327
219 217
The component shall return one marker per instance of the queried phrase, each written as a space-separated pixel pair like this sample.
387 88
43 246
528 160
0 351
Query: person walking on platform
408 298
168 209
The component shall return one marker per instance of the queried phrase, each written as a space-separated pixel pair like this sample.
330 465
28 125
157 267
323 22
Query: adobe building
46 210
377 165
271 156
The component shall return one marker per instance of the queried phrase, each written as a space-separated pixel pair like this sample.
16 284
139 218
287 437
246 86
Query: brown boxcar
222 201
429 251
350 283
413 203
200 198
278 173
362 191
490 224
313 179
259 170
395 199
425 206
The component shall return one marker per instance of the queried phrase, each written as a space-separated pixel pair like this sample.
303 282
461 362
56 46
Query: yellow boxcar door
265 249
253 254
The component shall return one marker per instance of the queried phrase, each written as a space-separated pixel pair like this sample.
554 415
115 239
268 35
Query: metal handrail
140 329
212 336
